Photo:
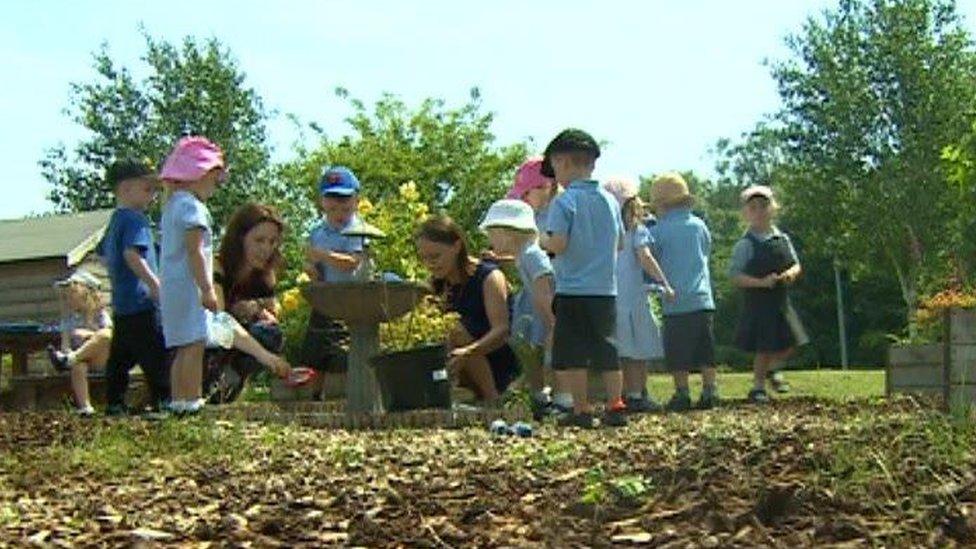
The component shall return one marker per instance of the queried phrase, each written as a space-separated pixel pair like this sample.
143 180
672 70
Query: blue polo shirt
127 229
327 237
589 218
681 243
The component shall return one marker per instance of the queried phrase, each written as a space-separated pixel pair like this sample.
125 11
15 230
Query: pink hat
622 188
191 159
529 176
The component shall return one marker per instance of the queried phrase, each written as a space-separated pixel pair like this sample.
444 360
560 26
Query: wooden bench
53 391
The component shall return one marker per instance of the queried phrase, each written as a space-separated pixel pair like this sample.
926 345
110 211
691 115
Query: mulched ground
797 473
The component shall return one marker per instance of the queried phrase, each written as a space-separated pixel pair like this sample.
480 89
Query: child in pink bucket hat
191 159
187 296
534 189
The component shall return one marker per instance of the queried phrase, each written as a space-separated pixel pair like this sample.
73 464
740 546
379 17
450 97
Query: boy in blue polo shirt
585 235
129 253
332 257
682 243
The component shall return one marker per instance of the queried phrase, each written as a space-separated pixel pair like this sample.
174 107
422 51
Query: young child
193 170
332 257
128 250
764 264
638 334
585 234
682 243
86 334
511 229
538 191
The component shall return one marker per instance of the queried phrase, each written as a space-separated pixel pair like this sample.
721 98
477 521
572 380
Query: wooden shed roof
71 236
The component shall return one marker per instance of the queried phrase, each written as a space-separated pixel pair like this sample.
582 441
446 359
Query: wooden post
362 391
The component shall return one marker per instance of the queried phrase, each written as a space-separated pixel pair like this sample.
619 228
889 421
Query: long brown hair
441 229
231 256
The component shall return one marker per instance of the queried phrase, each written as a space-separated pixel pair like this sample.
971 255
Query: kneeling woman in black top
479 354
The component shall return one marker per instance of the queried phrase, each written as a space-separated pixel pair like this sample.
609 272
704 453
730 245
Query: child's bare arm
337 260
746 281
651 266
198 268
542 295
138 265
790 275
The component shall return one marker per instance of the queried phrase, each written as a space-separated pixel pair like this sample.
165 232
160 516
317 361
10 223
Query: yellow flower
303 278
365 206
408 191
420 209
291 300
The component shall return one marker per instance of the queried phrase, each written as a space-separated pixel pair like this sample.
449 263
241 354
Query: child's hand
266 317
208 299
770 280
670 294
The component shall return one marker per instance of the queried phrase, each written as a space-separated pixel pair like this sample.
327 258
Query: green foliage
450 154
872 94
191 86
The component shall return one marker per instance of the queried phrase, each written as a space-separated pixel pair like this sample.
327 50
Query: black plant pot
413 379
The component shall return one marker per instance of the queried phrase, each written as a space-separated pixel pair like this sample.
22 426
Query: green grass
829 384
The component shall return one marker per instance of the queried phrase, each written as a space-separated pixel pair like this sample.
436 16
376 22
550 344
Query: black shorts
584 333
689 341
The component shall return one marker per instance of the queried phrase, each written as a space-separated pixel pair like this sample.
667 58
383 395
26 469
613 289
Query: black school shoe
643 405
679 403
583 421
707 401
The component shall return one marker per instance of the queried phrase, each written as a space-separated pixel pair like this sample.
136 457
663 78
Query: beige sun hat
670 189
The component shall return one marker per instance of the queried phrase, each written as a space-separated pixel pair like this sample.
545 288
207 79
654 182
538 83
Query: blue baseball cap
339 181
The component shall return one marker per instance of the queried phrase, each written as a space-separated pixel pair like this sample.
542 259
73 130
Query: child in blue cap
332 257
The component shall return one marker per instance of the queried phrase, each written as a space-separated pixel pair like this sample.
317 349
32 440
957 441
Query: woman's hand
457 355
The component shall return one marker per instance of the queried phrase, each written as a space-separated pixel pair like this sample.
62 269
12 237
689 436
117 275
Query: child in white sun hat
511 229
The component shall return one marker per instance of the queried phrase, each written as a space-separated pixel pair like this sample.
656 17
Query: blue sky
660 81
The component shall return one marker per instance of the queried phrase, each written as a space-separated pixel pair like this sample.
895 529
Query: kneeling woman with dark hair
479 354
245 273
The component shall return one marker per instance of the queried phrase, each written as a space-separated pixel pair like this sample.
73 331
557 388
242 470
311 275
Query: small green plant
630 488
594 487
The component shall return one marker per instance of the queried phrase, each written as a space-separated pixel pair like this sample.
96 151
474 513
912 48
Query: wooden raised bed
946 370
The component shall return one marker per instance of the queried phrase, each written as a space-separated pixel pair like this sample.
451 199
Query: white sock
71 358
563 400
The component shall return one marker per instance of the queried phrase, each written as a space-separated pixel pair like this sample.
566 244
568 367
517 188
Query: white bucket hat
510 213
82 277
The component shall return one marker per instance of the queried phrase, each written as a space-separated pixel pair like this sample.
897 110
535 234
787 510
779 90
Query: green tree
449 153
873 92
196 87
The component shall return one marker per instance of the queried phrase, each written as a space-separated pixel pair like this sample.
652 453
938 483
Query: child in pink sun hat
192 170
190 308
534 189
